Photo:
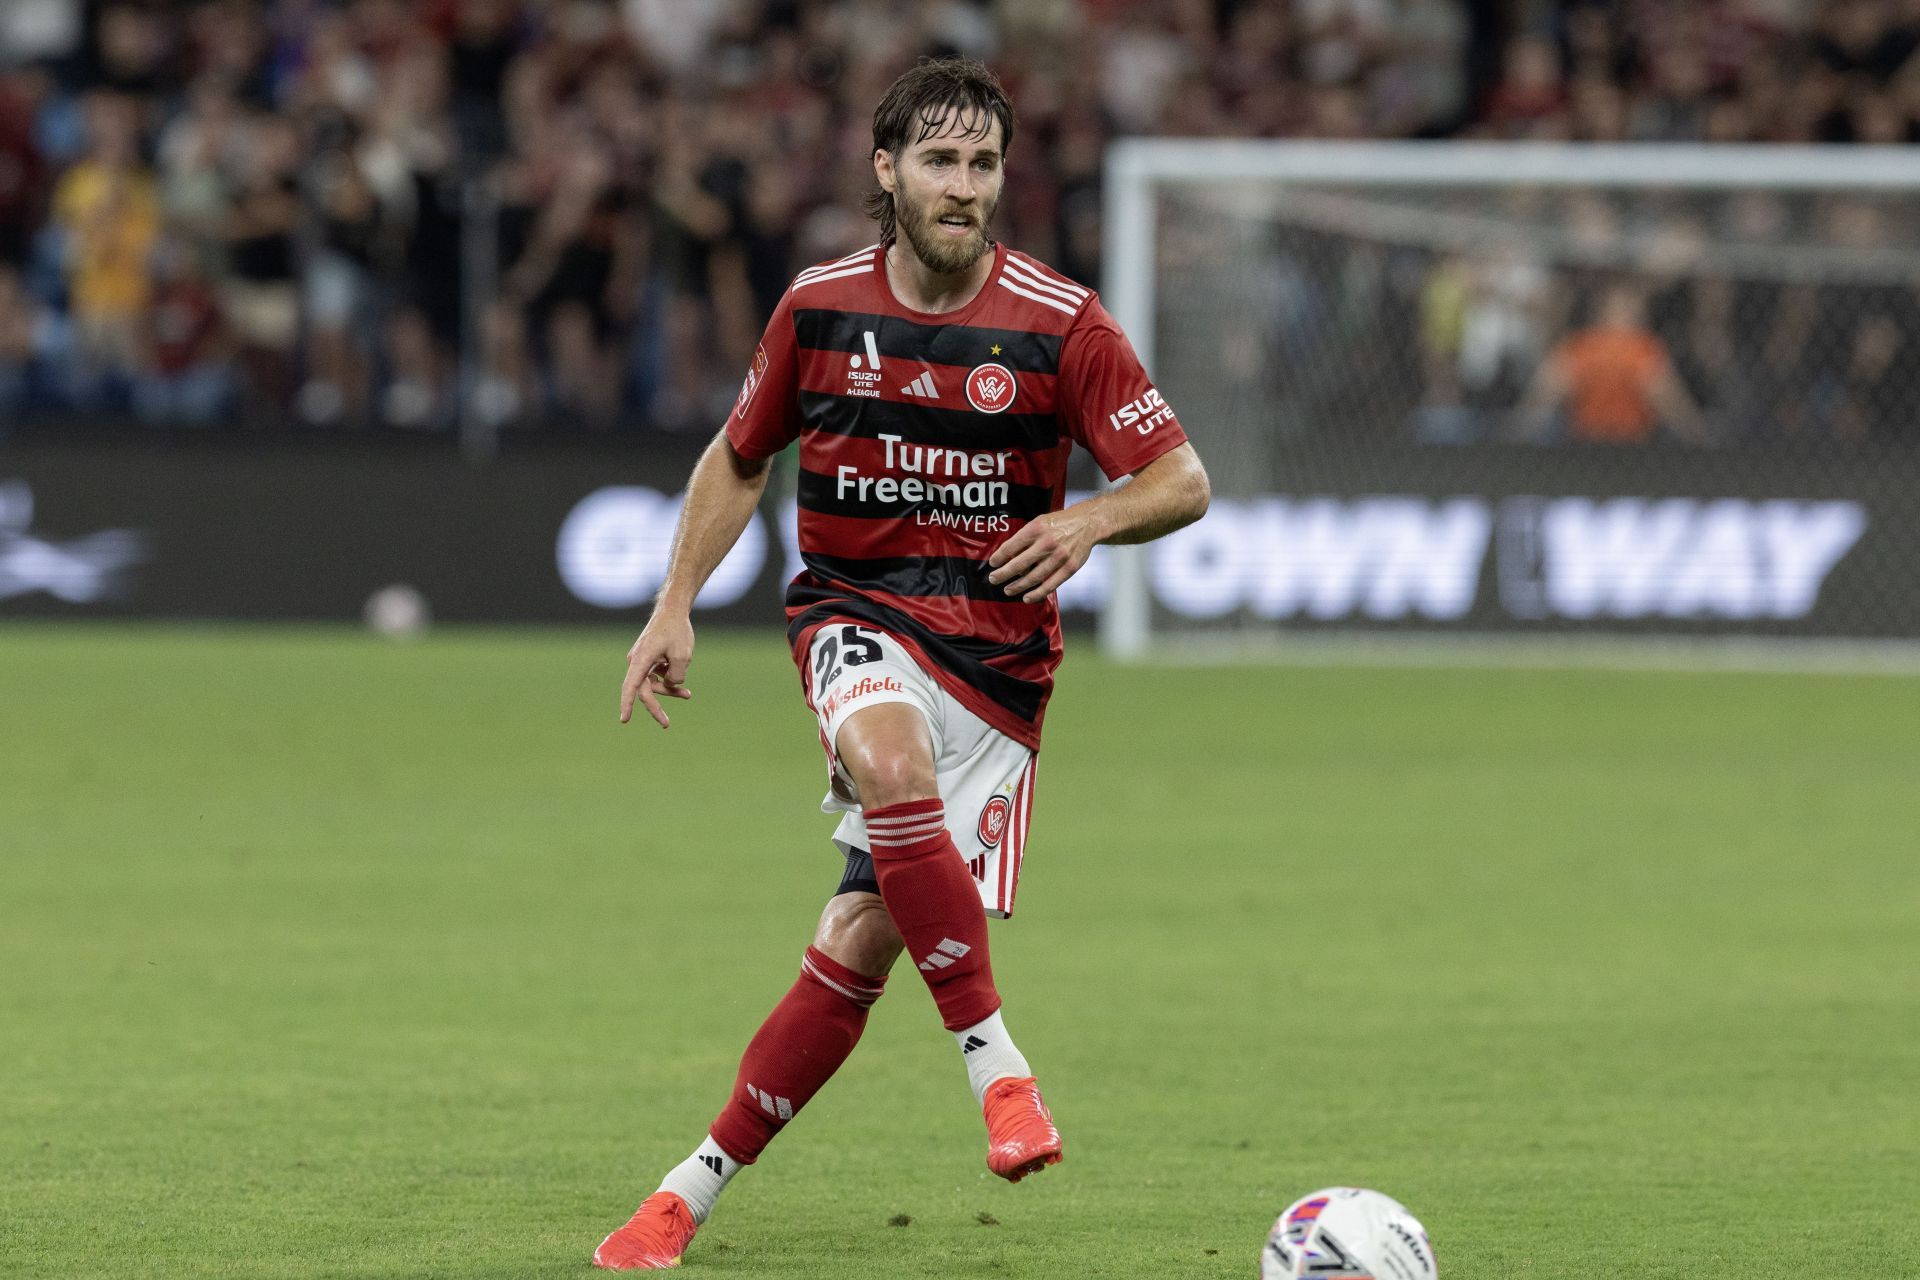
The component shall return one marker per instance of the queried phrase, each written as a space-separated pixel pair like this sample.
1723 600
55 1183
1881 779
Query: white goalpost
1369 344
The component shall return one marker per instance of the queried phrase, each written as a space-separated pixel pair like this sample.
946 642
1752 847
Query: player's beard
942 254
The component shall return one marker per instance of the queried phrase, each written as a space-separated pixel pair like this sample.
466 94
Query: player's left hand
1043 553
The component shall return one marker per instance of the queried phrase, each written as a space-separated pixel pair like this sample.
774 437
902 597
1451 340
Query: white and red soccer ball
1347 1233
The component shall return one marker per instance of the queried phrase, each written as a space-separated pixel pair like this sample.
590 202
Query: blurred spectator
1531 94
340 288
506 391
262 298
1613 380
22 172
185 378
20 323
199 151
36 30
419 390
1867 335
106 211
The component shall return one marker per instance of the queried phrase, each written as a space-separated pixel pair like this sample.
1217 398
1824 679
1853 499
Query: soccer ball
399 611
1347 1233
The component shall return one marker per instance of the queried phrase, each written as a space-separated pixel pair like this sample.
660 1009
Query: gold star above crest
995 349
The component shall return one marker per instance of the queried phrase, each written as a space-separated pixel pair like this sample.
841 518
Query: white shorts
986 778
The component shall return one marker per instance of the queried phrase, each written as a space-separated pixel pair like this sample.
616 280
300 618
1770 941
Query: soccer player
936 382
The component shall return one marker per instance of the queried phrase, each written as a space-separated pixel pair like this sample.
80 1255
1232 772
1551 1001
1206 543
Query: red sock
795 1051
931 896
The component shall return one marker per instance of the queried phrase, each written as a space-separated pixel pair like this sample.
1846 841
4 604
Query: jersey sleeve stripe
1061 291
858 255
1042 299
1040 271
862 269
815 273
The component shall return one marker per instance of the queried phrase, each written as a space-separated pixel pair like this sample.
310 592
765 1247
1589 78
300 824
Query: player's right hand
656 666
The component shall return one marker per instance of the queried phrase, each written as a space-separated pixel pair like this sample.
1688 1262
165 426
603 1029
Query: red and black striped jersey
925 441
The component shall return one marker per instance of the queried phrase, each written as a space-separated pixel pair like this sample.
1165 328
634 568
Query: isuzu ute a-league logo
863 378
83 571
990 388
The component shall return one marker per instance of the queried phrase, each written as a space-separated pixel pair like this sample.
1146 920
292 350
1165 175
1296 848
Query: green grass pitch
328 957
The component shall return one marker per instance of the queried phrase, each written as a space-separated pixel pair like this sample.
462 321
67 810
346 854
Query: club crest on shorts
993 821
990 388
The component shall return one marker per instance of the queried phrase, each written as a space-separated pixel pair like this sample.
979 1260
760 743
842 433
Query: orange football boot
1021 1138
653 1239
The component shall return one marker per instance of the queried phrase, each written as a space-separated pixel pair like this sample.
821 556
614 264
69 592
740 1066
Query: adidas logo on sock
945 954
973 1042
713 1163
778 1108
922 386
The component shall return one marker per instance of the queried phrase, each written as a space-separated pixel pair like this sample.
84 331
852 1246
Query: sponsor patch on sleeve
752 380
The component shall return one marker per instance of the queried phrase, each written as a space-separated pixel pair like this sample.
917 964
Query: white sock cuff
701 1177
990 1054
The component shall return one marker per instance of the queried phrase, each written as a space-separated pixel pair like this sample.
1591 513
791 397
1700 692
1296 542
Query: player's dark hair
923 102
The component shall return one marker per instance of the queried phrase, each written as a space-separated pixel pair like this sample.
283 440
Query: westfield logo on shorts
864 687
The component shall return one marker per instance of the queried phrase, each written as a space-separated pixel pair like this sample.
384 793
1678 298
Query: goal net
1526 389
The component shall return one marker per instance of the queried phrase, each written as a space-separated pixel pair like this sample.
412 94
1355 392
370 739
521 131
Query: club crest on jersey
990 388
752 382
993 821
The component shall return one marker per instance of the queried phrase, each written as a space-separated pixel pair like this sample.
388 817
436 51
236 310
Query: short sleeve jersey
925 442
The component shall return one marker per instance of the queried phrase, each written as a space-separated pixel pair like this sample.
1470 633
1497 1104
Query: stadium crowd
578 212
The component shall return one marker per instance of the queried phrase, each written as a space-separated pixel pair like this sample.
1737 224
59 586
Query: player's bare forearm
721 497
1168 493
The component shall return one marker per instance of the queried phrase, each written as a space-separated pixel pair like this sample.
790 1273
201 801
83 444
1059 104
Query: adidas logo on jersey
922 386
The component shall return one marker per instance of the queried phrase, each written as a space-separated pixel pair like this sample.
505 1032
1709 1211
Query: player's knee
885 780
856 930
886 751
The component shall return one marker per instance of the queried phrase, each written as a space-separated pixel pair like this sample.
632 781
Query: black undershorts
858 877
